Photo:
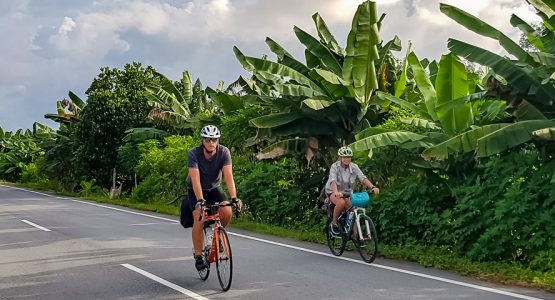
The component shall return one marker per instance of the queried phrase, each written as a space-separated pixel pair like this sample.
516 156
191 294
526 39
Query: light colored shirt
344 178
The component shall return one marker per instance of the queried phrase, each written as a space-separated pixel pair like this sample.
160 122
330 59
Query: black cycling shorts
211 196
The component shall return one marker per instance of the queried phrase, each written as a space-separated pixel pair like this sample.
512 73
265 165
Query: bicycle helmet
345 151
210 131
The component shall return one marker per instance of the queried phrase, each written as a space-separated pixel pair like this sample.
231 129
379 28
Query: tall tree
116 102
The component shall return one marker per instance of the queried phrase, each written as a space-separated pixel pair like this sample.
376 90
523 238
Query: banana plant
451 110
68 110
328 97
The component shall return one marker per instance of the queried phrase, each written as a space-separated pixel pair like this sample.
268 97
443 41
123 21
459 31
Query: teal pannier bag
361 199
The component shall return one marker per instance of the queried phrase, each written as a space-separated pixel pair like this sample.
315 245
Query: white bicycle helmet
210 131
345 151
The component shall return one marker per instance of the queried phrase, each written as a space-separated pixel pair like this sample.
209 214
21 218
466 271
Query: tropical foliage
462 147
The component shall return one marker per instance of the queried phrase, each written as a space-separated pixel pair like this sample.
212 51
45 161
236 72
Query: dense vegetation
463 147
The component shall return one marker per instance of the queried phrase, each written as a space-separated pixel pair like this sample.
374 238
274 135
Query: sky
51 47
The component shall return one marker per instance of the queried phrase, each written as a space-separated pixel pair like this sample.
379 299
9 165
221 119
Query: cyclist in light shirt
343 175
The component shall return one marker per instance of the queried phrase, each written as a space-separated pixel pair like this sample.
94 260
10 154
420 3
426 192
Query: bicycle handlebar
206 207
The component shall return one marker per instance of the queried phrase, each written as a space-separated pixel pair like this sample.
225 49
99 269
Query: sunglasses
214 140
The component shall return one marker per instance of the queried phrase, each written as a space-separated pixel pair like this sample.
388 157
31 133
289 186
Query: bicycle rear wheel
336 243
368 246
206 254
224 261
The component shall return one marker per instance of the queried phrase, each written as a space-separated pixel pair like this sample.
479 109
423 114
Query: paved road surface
63 248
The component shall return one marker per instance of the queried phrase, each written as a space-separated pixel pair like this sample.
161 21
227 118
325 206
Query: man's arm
229 182
195 180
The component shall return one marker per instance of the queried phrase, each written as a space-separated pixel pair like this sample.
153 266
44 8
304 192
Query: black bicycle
354 225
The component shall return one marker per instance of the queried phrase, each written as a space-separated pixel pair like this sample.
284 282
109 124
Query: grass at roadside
433 257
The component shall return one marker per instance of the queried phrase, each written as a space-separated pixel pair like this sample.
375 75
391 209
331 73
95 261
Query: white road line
460 283
165 282
474 286
35 225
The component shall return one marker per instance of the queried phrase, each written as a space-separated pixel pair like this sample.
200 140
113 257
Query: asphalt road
63 248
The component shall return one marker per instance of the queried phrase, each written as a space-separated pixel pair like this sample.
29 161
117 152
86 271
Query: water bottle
348 216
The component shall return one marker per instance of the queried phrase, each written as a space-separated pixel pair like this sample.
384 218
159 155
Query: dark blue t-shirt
210 170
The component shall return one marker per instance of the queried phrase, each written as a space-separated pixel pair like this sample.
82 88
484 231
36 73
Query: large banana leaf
333 84
530 33
452 83
480 27
393 138
527 111
284 71
413 107
275 120
362 52
424 85
525 80
76 100
161 98
285 57
463 142
449 105
510 136
326 36
420 123
370 132
228 103
319 50
137 135
401 83
317 103
187 87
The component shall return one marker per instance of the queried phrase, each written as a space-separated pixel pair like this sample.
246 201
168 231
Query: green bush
163 168
272 193
32 172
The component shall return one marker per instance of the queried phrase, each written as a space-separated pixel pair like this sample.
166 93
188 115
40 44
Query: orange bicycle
216 245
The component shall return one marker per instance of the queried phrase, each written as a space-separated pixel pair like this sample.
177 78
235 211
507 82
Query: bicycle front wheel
224 261
336 243
368 245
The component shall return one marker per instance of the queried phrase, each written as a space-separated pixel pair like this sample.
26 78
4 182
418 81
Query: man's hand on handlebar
238 203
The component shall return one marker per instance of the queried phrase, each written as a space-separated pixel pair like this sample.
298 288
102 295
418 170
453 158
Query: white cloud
50 49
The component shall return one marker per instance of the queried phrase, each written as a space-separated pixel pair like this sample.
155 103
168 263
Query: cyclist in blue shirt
207 163
343 175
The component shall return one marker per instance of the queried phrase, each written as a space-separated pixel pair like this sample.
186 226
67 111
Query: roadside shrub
163 168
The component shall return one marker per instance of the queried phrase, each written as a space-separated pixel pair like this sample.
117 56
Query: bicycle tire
336 244
204 273
368 246
224 260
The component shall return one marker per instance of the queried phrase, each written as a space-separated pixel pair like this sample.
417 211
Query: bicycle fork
366 227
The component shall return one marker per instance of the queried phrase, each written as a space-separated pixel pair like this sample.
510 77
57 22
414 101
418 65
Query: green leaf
524 80
284 71
452 83
362 52
319 50
76 100
137 135
424 85
275 120
317 104
480 27
326 36
285 57
404 103
393 138
401 83
420 123
371 131
187 87
510 136
463 142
